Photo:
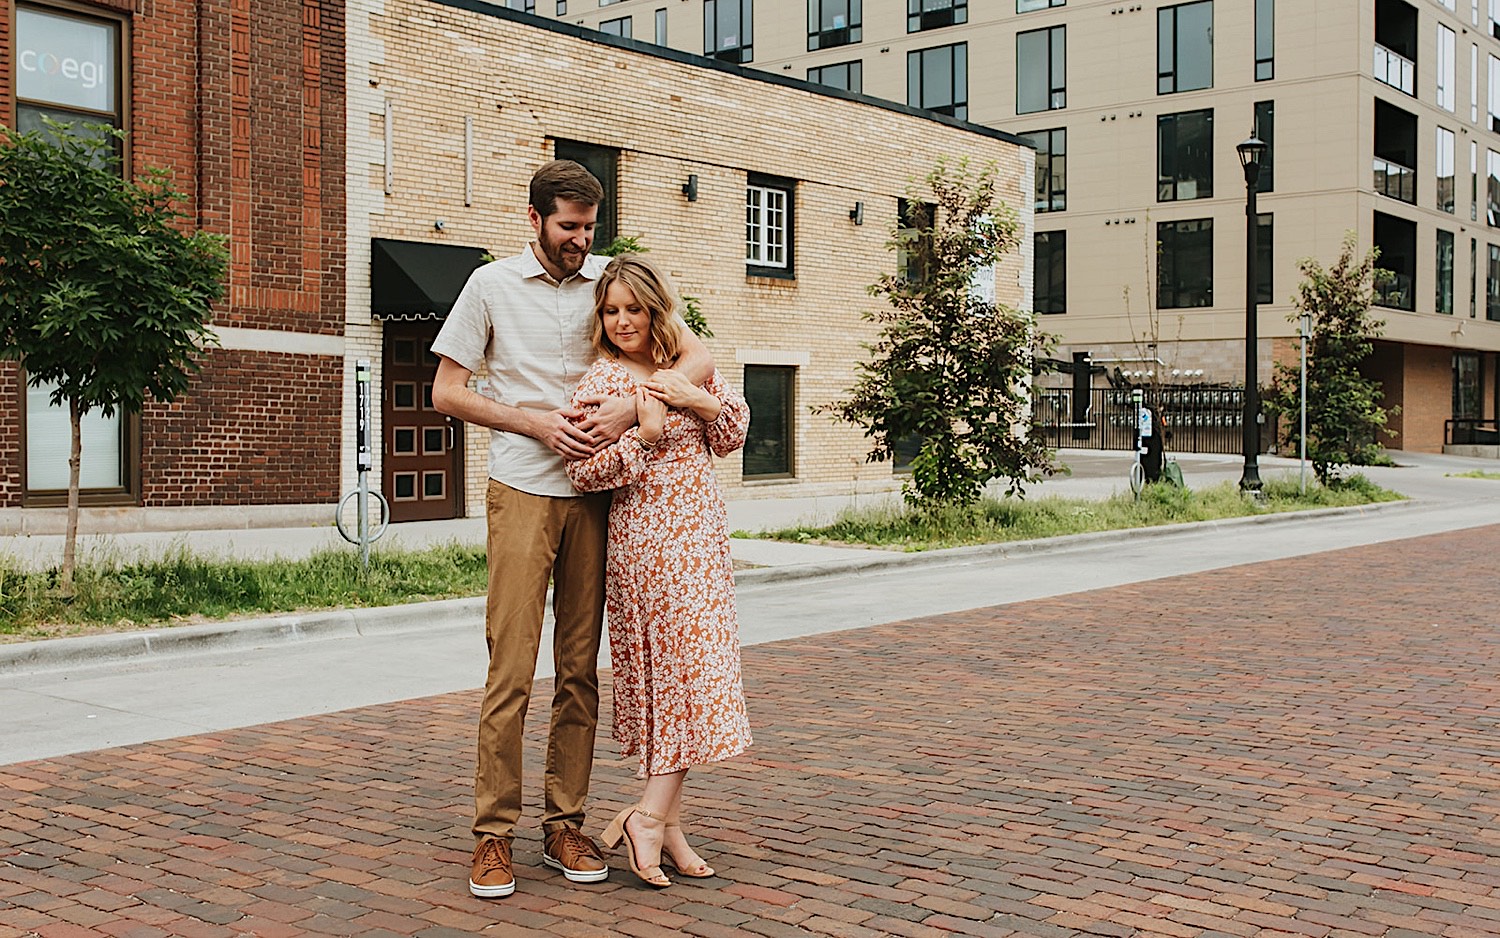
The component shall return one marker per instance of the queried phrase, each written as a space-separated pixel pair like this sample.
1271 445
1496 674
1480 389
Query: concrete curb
126 647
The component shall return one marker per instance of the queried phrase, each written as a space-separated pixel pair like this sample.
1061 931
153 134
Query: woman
669 581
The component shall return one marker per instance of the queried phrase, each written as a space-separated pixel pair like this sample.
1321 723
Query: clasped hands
576 434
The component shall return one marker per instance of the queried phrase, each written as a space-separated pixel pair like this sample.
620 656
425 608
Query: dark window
1265 40
1468 384
832 23
769 390
1395 152
1265 258
1473 275
1185 156
769 205
914 248
1396 238
1051 168
1443 156
1265 129
1051 265
846 75
1396 44
726 30
933 14
1185 263
1028 6
938 80
1492 188
1443 301
67 67
1492 287
1041 70
604 163
1185 47
618 27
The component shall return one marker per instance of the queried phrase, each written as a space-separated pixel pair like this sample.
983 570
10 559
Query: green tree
692 308
101 294
951 367
1344 416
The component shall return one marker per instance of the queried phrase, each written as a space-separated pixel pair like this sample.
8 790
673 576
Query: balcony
1395 180
1395 70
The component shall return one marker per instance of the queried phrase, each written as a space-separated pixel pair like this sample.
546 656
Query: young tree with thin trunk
101 294
951 368
1344 417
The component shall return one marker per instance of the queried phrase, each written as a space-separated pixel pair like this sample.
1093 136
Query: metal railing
1469 432
1200 419
1395 180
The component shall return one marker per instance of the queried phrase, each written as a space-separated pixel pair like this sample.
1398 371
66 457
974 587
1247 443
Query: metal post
1302 436
1250 479
364 461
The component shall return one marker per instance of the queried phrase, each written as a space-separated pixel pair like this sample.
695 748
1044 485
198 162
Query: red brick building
244 104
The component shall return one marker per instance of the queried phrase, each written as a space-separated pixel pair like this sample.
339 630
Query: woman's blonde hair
655 294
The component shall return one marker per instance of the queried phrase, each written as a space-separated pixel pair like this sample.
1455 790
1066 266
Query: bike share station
1151 464
364 461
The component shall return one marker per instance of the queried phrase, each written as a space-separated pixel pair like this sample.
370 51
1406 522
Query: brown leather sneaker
490 877
574 853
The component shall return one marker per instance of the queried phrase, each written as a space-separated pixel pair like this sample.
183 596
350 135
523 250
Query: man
528 319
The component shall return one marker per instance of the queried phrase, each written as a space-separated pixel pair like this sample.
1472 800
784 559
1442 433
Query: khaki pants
531 537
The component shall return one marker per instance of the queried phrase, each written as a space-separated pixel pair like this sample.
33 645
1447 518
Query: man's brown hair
563 179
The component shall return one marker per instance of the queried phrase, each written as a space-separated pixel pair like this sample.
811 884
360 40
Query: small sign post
364 461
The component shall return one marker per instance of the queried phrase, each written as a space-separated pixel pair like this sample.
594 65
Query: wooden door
423 449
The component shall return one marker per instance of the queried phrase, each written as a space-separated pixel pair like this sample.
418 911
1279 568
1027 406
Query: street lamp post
1305 328
1251 152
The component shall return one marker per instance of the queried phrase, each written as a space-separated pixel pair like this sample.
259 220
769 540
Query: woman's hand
678 391
652 413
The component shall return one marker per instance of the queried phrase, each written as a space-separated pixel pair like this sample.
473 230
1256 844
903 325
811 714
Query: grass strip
113 592
1474 474
997 520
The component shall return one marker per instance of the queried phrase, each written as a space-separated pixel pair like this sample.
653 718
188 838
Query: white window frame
767 228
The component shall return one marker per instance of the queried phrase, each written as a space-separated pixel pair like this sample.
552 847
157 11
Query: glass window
1444 169
562 7
913 248
661 27
618 27
1473 84
1397 240
1051 267
1447 68
846 75
1494 100
1027 6
1041 70
1265 129
768 226
67 67
1051 168
1473 274
769 390
1185 47
938 80
1185 156
1265 258
1492 286
833 23
1265 40
1492 189
1443 301
1395 152
1185 263
935 14
726 30
1468 384
529 6
1395 61
604 163
1473 180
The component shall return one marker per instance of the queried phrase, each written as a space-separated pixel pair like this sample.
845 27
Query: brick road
1305 747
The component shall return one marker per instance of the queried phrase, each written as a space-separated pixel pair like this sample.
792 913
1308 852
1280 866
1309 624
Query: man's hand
607 424
557 429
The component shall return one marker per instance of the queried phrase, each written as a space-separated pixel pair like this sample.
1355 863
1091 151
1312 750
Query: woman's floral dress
669 582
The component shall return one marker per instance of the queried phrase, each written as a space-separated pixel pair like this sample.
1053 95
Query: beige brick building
1383 118
451 110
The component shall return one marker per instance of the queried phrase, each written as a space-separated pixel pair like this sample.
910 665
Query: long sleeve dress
669 582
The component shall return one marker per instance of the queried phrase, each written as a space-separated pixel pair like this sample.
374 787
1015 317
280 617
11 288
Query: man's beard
566 261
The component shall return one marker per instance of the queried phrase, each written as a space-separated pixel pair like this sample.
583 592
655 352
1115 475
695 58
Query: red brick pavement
1306 747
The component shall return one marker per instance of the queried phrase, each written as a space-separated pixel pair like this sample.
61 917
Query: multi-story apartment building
1383 118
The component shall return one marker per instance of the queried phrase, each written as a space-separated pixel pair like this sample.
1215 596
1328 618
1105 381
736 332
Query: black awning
416 280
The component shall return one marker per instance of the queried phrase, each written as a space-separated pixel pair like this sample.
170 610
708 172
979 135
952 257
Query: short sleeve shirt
535 338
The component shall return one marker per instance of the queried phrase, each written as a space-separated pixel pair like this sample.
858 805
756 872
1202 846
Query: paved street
1297 746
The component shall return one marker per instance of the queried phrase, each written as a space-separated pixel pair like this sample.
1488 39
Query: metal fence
1201 420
